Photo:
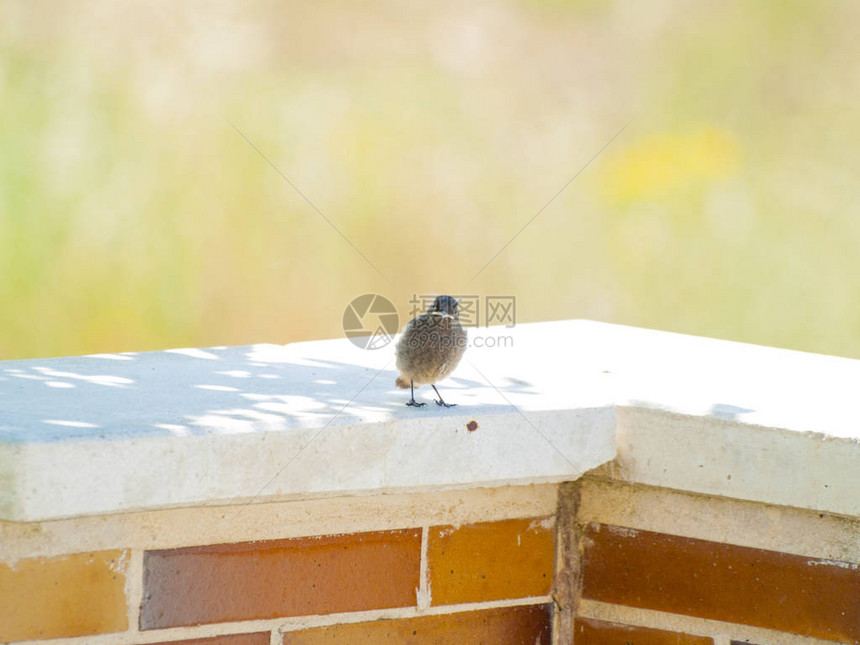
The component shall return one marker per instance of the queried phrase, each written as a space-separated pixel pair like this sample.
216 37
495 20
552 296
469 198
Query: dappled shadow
222 390
728 412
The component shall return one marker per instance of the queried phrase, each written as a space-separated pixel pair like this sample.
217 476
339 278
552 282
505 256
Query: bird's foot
415 403
441 401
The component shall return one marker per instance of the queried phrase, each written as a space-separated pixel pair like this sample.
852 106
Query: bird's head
445 306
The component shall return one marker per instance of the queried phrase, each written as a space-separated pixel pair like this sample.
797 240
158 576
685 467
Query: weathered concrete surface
125 432
109 433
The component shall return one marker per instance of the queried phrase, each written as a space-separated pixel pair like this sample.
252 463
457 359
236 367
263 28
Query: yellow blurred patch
662 164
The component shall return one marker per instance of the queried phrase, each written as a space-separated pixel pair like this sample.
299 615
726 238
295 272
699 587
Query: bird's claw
415 403
447 405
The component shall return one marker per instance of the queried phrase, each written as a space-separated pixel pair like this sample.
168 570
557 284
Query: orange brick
73 595
528 625
724 582
268 579
260 638
491 560
598 632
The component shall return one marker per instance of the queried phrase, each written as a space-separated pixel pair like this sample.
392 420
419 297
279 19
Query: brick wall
634 566
665 567
484 582
719 581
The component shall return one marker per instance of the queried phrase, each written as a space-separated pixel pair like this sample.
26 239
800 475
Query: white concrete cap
122 432
113 433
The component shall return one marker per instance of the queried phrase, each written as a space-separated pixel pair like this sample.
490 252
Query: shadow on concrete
222 390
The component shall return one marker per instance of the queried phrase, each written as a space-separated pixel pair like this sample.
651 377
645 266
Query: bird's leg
413 401
441 401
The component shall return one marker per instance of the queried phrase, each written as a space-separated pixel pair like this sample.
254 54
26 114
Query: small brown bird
430 348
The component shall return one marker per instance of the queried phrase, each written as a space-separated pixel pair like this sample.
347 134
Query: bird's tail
401 383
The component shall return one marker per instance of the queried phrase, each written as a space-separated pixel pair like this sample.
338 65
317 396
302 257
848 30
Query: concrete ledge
733 459
230 425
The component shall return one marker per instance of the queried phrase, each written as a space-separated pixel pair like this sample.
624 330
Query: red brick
598 632
260 638
528 625
269 579
724 582
491 560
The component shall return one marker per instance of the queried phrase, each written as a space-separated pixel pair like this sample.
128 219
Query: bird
430 348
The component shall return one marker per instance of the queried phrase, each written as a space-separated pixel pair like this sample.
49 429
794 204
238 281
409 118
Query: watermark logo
370 321
501 310
496 310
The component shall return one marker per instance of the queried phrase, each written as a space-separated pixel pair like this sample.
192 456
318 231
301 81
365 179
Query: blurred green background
133 216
